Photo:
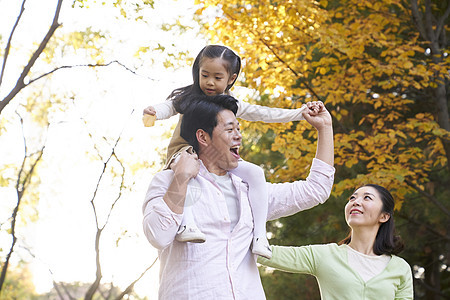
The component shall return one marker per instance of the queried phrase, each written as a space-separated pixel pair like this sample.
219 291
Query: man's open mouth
235 151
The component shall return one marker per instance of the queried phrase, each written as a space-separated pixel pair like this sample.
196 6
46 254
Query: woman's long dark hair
386 241
180 96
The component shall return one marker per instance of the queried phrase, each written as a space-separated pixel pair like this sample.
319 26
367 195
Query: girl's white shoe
190 233
261 247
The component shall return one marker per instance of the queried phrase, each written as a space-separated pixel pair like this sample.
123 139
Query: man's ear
232 78
202 137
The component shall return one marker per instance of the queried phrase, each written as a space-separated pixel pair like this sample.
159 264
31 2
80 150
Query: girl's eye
351 198
218 78
367 198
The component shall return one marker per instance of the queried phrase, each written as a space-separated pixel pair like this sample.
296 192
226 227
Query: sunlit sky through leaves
104 102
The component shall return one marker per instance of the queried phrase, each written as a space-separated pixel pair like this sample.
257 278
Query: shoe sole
262 255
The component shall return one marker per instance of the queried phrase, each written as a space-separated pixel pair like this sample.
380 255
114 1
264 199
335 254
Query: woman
364 265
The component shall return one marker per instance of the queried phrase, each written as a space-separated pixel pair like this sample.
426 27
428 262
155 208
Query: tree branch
429 197
78 66
417 19
20 84
21 186
129 289
8 45
98 276
422 223
442 21
432 289
122 176
429 21
308 87
297 75
95 285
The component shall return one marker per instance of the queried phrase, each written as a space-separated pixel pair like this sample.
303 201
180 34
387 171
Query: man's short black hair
202 114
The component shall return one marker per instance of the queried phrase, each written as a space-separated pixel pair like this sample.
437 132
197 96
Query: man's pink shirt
223 267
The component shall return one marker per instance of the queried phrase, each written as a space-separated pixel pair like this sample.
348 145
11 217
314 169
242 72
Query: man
223 267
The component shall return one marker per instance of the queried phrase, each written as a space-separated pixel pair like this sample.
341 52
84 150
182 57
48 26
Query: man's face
222 151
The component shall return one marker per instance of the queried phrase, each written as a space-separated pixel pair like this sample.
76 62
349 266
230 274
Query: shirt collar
206 174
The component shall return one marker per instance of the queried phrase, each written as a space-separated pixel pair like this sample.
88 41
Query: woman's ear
202 137
384 217
232 78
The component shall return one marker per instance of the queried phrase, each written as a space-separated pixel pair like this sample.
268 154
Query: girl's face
364 209
214 77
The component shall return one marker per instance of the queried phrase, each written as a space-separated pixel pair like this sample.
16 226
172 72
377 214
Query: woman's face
364 209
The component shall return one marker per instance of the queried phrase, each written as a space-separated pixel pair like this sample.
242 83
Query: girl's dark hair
202 114
386 241
233 64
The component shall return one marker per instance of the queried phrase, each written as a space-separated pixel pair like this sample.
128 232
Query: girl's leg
188 230
254 176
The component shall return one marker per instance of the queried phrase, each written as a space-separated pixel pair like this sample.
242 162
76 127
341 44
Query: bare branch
21 185
129 289
95 285
8 45
84 65
66 291
20 84
120 188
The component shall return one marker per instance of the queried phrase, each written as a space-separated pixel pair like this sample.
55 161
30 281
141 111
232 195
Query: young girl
215 71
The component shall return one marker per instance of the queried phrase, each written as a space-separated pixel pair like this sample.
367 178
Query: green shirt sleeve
291 259
405 289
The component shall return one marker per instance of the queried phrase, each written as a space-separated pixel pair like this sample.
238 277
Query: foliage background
382 69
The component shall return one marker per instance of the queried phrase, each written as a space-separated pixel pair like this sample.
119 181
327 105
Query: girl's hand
314 107
186 165
150 110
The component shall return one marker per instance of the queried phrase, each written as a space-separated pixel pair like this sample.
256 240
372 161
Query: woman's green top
337 280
